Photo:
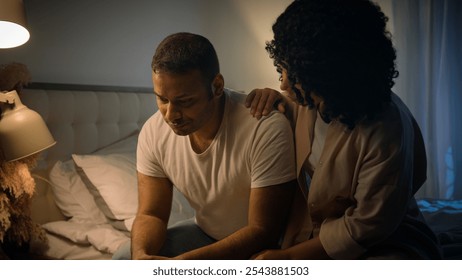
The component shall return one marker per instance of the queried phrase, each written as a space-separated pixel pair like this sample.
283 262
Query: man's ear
218 85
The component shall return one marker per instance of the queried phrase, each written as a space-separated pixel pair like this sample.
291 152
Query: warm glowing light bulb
12 35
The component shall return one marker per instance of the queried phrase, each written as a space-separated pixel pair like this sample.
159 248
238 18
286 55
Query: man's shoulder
155 120
237 97
237 104
155 125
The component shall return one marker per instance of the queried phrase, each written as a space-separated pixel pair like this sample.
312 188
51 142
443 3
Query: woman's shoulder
387 130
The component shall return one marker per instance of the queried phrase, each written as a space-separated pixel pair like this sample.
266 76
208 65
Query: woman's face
285 86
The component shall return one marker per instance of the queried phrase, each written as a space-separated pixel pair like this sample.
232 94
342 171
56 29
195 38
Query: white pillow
111 179
97 168
72 196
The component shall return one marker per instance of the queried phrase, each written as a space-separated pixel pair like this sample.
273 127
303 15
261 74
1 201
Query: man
238 173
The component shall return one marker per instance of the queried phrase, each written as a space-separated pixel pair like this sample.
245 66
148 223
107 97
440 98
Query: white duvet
102 237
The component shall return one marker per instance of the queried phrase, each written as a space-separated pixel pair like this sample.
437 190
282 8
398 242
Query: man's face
184 101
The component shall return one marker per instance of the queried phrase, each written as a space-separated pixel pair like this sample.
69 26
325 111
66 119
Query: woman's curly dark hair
341 51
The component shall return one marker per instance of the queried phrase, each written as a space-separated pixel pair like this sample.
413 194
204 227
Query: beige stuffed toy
17 230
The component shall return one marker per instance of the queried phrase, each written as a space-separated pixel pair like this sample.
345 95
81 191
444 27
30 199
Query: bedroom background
111 43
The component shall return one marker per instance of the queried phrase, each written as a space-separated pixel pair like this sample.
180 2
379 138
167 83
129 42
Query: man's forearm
147 236
240 245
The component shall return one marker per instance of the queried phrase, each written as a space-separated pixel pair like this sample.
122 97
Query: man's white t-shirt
246 153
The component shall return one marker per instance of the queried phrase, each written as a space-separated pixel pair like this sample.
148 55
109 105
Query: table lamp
13 30
23 132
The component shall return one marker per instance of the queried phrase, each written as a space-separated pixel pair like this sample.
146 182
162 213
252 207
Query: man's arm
268 211
150 226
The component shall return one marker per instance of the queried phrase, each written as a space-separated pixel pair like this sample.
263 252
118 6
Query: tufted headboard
82 119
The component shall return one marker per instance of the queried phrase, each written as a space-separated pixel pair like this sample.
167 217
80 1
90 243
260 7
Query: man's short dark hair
182 52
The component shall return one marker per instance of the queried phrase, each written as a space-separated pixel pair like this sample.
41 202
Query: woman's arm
309 249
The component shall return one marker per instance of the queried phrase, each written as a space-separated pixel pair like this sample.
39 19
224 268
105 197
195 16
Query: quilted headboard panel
83 121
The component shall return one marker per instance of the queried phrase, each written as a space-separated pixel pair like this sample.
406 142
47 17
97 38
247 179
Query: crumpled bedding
445 218
102 237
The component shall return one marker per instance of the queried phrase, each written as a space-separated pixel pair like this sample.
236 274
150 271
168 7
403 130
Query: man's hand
271 255
263 101
150 257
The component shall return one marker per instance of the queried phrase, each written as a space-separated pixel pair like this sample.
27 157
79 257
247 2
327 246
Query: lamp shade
23 132
13 30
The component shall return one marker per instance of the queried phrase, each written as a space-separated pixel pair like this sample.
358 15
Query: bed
86 194
445 219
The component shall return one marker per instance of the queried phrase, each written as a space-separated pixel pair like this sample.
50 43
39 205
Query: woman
356 141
